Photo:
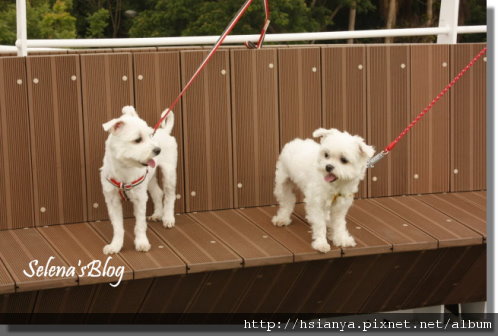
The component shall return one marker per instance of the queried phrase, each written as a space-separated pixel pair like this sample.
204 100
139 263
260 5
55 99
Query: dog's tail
169 122
129 110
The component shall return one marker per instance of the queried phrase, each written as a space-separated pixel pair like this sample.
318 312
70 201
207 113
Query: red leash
389 147
227 31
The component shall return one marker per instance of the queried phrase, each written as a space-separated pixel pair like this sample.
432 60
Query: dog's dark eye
138 140
344 160
326 155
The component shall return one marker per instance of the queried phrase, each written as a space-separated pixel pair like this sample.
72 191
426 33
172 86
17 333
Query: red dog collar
123 188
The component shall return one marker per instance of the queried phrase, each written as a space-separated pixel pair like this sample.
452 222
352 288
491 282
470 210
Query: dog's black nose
157 150
329 168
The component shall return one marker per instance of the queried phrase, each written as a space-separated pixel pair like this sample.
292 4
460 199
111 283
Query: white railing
446 33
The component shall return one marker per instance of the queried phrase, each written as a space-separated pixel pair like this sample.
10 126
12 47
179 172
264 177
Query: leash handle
227 31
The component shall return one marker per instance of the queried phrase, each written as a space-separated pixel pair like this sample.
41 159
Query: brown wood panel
468 120
474 279
106 87
196 246
300 92
207 133
80 245
126 298
295 237
254 245
7 284
447 231
344 83
388 101
56 124
159 261
429 169
445 270
474 201
403 235
16 185
157 83
366 241
458 209
70 300
19 248
172 294
18 303
477 198
254 87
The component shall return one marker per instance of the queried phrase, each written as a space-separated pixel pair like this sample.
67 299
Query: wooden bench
419 221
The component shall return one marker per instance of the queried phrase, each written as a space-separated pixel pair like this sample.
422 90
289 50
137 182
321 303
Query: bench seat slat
296 237
254 245
458 209
367 242
7 284
159 261
196 246
403 235
436 224
80 242
19 247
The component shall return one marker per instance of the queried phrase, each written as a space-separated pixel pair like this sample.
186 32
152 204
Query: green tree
58 23
97 23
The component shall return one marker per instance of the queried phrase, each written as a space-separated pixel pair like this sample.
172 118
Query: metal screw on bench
415 176
95 205
403 65
270 65
19 81
35 80
445 64
239 185
178 196
455 171
193 193
313 69
360 66
223 72
124 78
140 77
73 77
43 209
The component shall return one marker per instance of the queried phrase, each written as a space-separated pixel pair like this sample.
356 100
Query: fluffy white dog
132 153
328 174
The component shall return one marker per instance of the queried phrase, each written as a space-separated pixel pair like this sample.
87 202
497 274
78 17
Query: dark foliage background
148 18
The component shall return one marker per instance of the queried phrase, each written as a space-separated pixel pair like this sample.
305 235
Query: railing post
448 18
22 34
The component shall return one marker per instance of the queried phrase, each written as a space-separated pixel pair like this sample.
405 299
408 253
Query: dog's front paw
344 240
278 221
155 217
142 245
169 222
321 245
111 249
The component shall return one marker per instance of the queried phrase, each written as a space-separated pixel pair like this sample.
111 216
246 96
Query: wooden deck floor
234 239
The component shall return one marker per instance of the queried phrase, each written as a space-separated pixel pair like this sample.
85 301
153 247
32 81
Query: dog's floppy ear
129 110
321 132
365 150
113 125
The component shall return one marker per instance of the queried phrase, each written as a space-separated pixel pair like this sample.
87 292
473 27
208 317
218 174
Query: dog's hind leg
169 185
285 196
157 199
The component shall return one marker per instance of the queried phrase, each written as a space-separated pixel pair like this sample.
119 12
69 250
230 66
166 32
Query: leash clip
379 156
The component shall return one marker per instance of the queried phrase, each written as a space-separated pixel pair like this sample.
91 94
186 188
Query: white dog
328 174
132 153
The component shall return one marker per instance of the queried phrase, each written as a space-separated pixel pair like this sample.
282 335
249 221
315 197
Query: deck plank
254 245
19 248
7 284
367 242
436 224
196 246
295 237
80 244
404 236
458 209
159 261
